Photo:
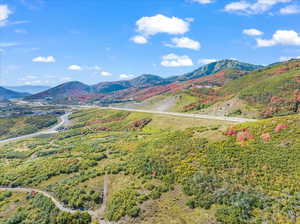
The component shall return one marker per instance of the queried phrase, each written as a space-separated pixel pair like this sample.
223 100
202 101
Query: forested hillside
158 166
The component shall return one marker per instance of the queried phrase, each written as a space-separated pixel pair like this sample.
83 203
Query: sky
48 42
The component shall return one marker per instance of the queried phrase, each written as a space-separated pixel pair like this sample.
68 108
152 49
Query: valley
218 145
149 112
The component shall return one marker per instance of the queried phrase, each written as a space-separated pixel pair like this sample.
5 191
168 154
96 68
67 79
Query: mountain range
31 89
126 89
6 94
226 87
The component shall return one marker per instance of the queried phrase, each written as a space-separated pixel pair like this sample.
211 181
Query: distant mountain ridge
126 89
9 94
32 89
143 81
67 89
215 67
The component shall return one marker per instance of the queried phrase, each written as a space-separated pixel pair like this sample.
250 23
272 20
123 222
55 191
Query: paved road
200 116
63 121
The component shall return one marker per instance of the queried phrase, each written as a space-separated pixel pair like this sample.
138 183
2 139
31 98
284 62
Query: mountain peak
214 67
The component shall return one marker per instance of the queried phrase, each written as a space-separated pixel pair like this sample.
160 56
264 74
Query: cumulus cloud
206 61
4 12
105 73
203 1
280 37
139 39
184 42
126 76
173 60
75 68
290 9
257 7
162 24
286 58
49 59
252 32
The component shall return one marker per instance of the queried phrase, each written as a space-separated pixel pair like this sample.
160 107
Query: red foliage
297 95
215 79
231 131
276 99
280 70
141 123
244 136
156 90
88 97
270 111
280 127
266 137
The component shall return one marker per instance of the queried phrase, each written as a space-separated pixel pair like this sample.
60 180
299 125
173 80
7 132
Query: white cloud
162 24
4 12
184 42
75 68
126 76
105 73
203 1
21 31
49 59
95 68
237 6
290 9
280 37
8 44
286 58
139 39
257 7
206 61
173 60
252 32
45 80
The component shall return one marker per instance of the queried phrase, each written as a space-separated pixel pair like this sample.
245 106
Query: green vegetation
40 209
22 125
161 169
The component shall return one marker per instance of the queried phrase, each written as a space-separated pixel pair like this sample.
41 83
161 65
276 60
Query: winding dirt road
96 215
63 121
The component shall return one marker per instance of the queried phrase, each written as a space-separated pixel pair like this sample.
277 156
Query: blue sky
47 42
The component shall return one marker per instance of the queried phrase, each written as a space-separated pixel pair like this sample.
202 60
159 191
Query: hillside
9 94
227 174
23 125
271 91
